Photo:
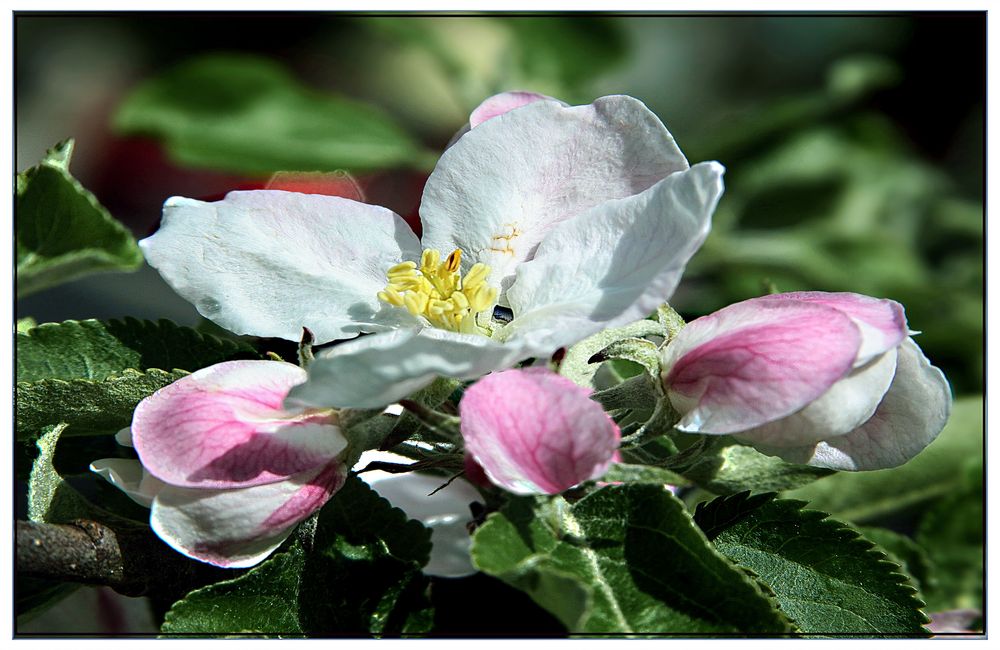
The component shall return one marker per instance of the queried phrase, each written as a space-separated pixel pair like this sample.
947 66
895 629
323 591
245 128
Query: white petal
911 415
446 513
124 437
239 528
502 186
269 263
848 404
130 477
380 369
616 263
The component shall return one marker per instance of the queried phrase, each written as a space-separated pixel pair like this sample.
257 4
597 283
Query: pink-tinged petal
846 406
755 362
536 432
882 322
911 415
224 427
499 190
504 102
130 477
474 472
240 527
954 621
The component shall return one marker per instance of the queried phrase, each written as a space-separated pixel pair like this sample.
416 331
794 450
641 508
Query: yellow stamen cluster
439 293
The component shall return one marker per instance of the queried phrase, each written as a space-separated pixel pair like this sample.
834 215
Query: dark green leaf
362 575
625 559
88 406
936 471
260 602
94 349
247 114
62 231
905 552
826 577
735 468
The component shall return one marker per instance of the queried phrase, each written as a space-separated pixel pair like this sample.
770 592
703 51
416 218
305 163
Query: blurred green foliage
827 196
247 114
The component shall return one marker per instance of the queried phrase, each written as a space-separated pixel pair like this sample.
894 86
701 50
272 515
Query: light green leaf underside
50 498
62 231
87 406
735 468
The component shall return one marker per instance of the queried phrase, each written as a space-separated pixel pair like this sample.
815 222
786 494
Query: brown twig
132 561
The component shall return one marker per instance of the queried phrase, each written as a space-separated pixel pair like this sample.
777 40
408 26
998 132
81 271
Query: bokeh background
854 143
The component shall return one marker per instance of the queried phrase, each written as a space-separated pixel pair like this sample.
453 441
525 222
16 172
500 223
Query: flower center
438 292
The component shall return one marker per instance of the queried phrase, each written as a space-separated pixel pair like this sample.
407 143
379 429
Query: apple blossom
826 379
226 471
536 432
574 219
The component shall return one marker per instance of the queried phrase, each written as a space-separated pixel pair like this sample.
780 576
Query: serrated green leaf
87 406
93 349
935 472
247 114
62 231
260 602
735 468
645 565
826 577
905 552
